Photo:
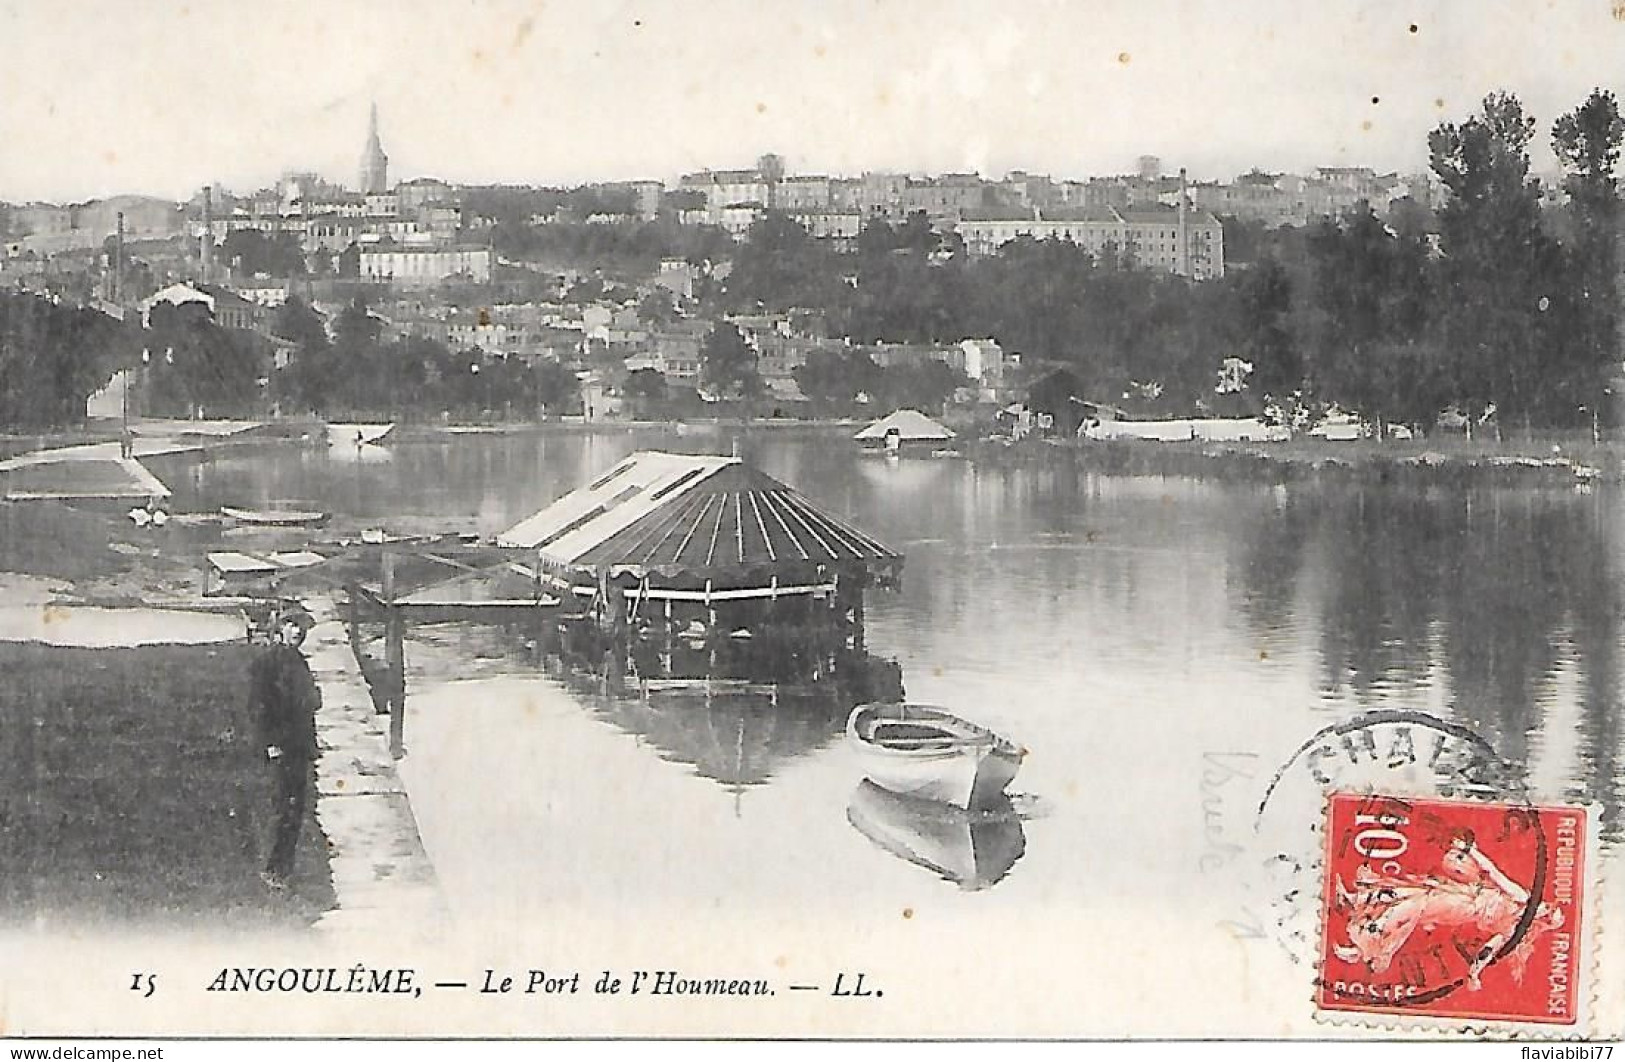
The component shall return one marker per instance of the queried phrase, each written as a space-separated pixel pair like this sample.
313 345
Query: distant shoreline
1544 460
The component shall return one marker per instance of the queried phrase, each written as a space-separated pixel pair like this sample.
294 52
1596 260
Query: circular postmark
1402 859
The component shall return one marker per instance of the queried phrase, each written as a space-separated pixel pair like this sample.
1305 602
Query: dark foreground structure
135 786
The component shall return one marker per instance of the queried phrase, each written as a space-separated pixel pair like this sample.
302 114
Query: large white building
412 266
1155 237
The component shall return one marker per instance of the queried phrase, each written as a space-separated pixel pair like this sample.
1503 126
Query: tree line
356 372
1502 308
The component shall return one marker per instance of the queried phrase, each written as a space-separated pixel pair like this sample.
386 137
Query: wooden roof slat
791 509
854 532
767 540
767 499
698 520
716 529
672 524
831 528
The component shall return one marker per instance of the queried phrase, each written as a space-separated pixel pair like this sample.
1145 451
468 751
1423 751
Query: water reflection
1099 615
738 732
1495 601
736 739
973 849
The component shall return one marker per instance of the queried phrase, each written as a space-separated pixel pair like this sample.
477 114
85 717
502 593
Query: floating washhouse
703 566
904 429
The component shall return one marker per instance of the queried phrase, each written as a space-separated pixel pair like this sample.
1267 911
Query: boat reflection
974 850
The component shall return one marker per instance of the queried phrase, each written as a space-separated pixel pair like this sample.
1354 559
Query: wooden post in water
857 622
394 658
395 676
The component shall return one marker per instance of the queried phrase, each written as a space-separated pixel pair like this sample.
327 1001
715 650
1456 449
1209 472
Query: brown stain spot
477 56
882 97
908 912
338 783
507 99
1124 58
50 614
1263 654
1618 10
523 31
761 108
1365 126
818 50
782 961
1439 102
110 157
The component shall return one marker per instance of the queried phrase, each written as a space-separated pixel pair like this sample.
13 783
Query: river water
1132 631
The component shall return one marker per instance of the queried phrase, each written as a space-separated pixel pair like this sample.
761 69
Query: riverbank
102 557
137 787
1543 460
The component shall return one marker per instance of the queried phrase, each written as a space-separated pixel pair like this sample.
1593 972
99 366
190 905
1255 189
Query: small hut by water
700 565
904 429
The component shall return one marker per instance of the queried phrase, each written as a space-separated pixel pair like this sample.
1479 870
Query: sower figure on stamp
1469 897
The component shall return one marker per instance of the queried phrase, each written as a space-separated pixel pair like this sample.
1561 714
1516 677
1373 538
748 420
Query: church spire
374 163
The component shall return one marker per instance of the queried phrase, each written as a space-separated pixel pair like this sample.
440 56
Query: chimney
1184 246
118 261
206 247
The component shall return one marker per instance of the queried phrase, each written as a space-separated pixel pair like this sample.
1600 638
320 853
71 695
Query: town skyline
513 94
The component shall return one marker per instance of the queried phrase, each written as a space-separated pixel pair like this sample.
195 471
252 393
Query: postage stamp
1454 909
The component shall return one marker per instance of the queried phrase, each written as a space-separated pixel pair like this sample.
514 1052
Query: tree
925 385
1587 144
1499 266
356 356
837 376
645 389
781 266
556 386
203 368
1264 303
53 356
276 254
657 308
308 381
728 364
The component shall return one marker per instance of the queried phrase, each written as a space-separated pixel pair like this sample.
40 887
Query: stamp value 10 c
1453 909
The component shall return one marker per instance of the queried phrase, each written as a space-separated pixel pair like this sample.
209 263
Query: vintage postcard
869 519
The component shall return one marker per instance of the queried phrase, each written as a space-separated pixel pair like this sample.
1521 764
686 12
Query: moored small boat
923 751
274 517
341 435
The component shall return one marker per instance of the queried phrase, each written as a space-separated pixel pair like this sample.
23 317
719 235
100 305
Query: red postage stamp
1453 909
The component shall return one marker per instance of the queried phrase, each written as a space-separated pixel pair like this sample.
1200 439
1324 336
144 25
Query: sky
160 97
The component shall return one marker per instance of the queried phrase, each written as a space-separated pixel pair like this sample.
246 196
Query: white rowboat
273 517
922 751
